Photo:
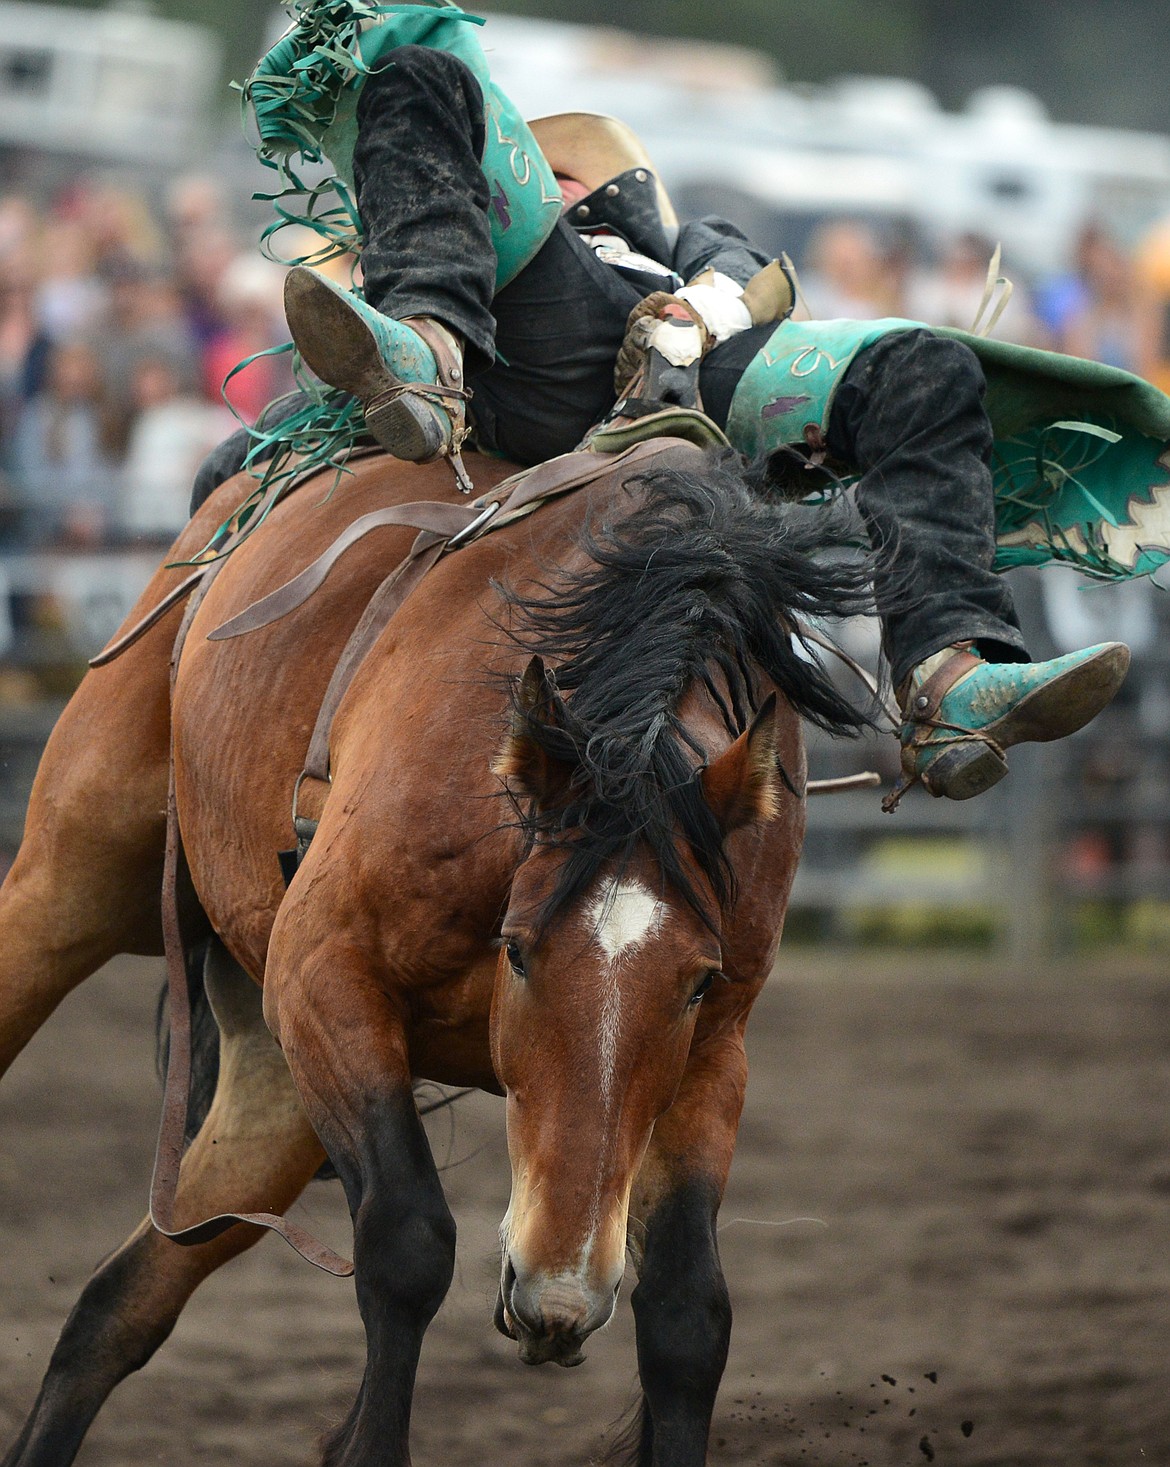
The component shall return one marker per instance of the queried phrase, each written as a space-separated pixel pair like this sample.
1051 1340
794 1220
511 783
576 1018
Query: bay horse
565 814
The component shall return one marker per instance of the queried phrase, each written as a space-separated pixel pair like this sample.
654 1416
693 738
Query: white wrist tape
679 344
720 305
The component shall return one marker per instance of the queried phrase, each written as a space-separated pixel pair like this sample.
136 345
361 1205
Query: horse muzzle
550 1317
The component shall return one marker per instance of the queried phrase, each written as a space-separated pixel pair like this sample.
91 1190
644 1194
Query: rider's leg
428 262
423 197
909 416
559 327
429 257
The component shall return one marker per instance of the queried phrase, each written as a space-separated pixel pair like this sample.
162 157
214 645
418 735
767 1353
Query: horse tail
631 1437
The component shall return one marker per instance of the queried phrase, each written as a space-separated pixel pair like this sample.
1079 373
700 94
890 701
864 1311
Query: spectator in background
64 474
204 255
172 431
1153 303
24 348
950 294
116 221
72 298
113 350
1102 324
250 300
1062 295
195 203
143 320
901 247
20 226
846 274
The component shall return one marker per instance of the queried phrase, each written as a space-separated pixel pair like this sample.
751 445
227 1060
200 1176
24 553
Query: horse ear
526 766
743 785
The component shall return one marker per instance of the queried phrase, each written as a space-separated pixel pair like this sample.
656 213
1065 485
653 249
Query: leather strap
144 624
640 421
173 1125
921 706
386 600
561 475
444 347
444 519
186 586
516 496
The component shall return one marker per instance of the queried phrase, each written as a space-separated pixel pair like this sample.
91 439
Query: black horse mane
704 581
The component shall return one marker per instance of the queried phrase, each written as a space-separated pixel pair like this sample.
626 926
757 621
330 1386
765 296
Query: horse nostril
506 1312
502 1318
521 1302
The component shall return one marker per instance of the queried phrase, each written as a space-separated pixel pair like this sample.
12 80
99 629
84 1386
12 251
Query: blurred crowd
1110 303
121 316
118 322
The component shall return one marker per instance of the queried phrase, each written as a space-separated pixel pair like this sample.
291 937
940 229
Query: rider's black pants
909 413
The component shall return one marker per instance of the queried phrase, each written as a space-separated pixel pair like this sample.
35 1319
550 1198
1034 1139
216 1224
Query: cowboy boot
408 375
961 713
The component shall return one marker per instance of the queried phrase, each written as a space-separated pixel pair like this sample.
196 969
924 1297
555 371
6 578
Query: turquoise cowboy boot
961 713
408 375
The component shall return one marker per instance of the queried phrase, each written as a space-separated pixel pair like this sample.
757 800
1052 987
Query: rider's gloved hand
665 323
715 308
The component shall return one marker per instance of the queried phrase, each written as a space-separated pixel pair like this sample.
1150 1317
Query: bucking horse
550 856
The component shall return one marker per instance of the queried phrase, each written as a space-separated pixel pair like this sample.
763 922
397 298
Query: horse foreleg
346 1047
681 1306
256 1150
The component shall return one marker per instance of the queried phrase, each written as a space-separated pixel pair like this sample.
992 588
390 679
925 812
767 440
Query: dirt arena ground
947 1239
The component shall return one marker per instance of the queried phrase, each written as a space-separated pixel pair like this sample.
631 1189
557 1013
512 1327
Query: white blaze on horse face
621 917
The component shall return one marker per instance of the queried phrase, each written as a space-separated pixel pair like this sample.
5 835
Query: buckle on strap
469 532
304 826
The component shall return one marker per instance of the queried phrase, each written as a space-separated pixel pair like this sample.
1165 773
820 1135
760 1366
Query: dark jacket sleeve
716 243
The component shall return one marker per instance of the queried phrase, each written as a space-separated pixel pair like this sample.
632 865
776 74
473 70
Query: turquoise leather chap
304 94
1081 463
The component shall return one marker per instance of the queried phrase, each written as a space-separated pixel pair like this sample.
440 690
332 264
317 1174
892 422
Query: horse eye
515 957
708 979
